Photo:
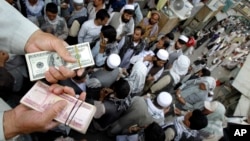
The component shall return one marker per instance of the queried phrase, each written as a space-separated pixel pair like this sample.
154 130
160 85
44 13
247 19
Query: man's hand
3 58
41 41
23 120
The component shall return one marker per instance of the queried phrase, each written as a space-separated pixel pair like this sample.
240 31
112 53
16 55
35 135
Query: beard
124 20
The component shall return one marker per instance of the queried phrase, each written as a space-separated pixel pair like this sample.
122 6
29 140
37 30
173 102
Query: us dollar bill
38 63
77 114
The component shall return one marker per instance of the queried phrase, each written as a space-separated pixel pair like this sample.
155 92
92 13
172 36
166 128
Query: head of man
121 88
97 3
128 13
112 62
32 2
161 58
78 4
154 132
102 17
155 16
138 32
51 11
195 120
169 36
163 100
162 43
108 32
181 42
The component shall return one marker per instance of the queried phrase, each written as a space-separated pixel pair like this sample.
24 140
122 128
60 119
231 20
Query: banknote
77 115
38 63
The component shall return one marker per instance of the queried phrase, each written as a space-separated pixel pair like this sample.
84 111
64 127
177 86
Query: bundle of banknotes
39 62
77 114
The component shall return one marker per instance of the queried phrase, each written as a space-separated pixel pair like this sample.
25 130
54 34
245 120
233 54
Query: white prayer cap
211 106
113 61
162 54
78 1
184 38
181 65
129 7
164 99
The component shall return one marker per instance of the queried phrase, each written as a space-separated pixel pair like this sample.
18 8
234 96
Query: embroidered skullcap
164 99
162 54
78 1
211 106
184 38
181 65
129 7
113 61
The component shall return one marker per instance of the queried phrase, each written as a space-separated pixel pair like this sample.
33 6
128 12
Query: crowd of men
143 86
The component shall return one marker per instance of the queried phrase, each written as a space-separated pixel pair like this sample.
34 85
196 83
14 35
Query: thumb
54 110
62 51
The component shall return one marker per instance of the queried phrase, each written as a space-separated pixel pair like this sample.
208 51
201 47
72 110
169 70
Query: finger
51 112
66 73
69 91
55 88
49 77
80 72
60 47
51 125
82 96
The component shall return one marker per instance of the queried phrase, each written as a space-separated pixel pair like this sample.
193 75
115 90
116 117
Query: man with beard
176 50
52 23
131 45
94 7
150 25
123 21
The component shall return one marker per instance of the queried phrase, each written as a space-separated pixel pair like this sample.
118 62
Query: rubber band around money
78 58
70 114
76 110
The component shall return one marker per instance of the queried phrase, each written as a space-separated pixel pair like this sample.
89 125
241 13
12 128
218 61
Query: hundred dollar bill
38 63
77 115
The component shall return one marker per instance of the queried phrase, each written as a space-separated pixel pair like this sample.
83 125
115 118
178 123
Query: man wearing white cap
171 77
155 67
107 75
123 22
176 50
142 112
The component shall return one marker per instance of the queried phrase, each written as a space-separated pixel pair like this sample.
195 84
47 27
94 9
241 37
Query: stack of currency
39 62
77 115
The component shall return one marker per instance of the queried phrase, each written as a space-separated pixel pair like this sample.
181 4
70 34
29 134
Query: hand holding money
40 62
77 114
